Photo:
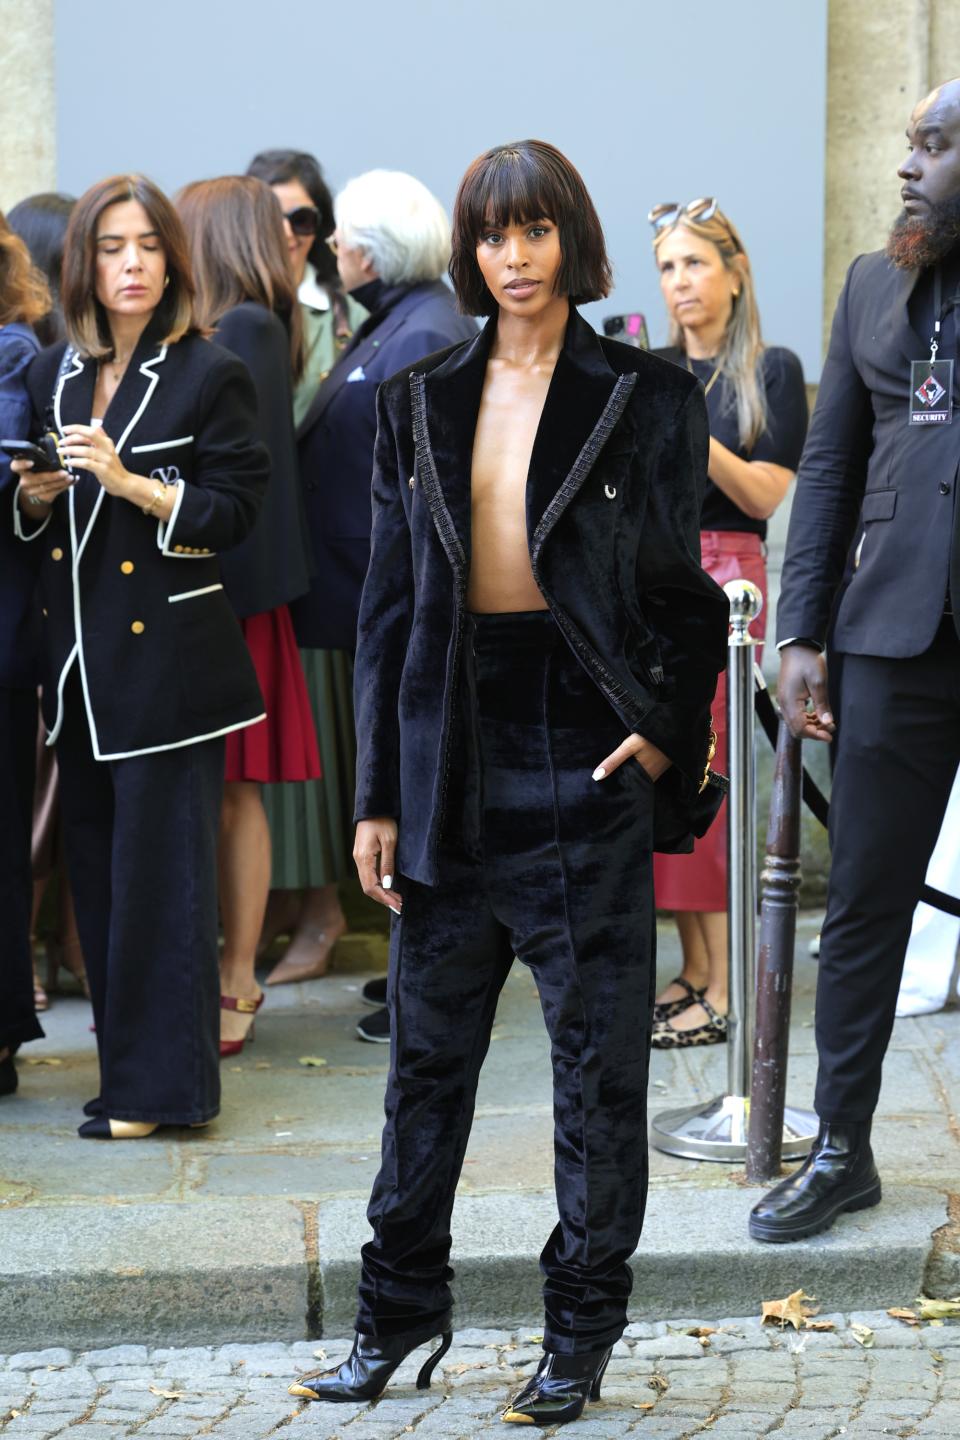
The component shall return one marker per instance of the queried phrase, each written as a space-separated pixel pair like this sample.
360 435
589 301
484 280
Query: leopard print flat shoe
662 1013
665 1037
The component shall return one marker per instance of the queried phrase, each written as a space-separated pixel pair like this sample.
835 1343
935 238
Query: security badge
931 381
931 392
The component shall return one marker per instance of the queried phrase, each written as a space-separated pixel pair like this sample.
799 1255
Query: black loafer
838 1175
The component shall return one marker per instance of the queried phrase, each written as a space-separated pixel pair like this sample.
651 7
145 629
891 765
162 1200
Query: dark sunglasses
304 220
669 212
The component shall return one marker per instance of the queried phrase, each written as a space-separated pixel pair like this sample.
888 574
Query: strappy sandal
665 1037
662 1013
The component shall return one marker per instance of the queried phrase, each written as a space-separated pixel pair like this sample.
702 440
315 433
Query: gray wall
652 102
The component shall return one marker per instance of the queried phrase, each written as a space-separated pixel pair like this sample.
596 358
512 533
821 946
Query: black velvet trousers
898 752
556 869
141 844
18 740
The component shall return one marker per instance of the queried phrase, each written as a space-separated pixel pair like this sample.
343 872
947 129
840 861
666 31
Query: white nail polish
599 773
387 882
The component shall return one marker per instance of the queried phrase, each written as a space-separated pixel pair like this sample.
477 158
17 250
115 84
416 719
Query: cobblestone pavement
740 1382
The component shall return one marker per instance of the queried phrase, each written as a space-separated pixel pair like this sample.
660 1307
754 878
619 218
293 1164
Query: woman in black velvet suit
537 652
144 665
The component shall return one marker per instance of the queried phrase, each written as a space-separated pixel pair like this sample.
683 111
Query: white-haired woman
757 406
392 242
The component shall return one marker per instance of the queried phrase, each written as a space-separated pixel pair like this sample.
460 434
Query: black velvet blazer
136 604
614 491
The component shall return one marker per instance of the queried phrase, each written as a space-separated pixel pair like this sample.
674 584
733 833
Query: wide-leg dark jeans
141 846
555 868
18 739
899 748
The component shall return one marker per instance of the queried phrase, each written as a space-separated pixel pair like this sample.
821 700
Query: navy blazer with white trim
161 656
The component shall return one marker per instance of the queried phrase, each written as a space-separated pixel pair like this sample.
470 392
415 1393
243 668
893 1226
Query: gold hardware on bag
711 752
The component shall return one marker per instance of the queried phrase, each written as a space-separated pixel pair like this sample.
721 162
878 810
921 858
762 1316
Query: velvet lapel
73 404
584 402
444 406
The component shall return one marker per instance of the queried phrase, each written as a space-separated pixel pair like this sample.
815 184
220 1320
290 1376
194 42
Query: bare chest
507 424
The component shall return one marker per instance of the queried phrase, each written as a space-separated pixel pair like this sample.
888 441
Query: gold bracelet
155 499
711 752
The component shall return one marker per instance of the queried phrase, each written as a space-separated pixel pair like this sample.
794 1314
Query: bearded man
879 472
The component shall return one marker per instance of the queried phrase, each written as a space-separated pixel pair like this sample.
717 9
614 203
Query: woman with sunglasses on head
311 825
758 419
246 297
144 666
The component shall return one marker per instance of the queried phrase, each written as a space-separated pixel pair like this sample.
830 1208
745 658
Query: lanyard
937 313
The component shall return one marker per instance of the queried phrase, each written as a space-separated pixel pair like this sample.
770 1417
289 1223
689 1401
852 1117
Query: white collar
311 292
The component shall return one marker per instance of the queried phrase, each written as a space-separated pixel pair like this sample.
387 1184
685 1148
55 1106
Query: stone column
27 100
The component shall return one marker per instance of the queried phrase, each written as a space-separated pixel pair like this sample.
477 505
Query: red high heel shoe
245 1007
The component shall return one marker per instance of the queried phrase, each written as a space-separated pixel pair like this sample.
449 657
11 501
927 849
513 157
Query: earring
166 281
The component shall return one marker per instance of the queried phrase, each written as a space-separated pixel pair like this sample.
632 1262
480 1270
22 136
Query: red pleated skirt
284 745
699 881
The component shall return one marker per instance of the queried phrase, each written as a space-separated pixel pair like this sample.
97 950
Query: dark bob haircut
279 167
528 180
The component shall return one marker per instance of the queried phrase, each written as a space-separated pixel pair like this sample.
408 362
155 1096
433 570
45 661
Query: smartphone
631 329
26 450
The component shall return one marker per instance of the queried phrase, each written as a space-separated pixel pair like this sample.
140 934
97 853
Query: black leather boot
8 1076
368 1367
839 1174
559 1390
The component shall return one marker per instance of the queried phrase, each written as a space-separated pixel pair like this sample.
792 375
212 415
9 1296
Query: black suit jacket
138 605
19 630
614 491
336 439
862 459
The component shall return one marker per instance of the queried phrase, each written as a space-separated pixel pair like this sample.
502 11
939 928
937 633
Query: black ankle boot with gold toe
559 1390
368 1367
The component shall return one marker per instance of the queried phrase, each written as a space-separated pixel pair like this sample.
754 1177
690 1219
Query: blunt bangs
516 184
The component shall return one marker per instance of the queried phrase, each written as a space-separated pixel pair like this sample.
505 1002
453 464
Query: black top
270 567
780 444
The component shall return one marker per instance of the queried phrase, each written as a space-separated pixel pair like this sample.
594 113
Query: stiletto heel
559 1390
368 1367
244 1007
432 1361
595 1387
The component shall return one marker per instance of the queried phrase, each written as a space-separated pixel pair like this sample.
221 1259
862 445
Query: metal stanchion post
718 1130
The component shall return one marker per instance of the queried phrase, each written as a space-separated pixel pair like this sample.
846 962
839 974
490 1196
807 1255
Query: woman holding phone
145 669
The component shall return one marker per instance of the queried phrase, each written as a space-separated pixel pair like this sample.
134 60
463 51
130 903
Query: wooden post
780 886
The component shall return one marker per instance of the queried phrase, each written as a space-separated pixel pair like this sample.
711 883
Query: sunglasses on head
669 212
304 220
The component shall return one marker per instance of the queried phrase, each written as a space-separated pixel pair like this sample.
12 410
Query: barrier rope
818 804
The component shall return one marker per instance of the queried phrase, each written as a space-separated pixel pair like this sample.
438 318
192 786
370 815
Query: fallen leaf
935 1355
462 1368
939 1309
820 1324
908 1316
863 1335
701 1332
791 1311
167 1394
43 1060
313 1060
644 1405
262 1065
535 1339
319 1354
703 1340
15 1414
660 1383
